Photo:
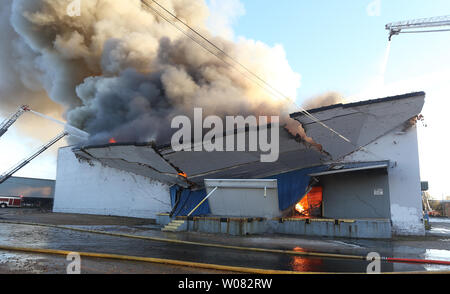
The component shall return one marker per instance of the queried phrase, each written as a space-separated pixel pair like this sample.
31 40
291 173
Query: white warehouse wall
401 148
92 188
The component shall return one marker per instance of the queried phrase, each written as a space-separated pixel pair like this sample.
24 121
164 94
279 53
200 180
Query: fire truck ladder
23 163
5 125
422 25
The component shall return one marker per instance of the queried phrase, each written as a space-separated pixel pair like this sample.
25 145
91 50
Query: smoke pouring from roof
118 71
326 99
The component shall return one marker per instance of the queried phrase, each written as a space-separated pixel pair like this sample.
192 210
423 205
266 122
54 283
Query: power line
222 51
221 54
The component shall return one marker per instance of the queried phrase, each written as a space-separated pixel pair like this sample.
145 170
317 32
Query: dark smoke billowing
119 71
326 99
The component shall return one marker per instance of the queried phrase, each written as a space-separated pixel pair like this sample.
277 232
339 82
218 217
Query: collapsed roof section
140 159
362 123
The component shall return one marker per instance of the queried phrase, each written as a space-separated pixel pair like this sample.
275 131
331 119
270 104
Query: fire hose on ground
153 260
216 267
262 250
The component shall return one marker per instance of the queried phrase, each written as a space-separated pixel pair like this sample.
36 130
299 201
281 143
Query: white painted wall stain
401 149
405 219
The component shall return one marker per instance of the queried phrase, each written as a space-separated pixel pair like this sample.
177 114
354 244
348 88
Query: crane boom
437 24
5 125
21 164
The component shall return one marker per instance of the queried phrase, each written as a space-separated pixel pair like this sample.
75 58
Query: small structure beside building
369 188
32 192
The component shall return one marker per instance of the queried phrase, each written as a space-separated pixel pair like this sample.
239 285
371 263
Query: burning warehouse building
367 188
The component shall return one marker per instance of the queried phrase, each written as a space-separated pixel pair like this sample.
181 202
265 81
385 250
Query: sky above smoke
119 71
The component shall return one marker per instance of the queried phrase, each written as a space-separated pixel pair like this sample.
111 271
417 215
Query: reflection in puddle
442 231
439 220
302 264
436 254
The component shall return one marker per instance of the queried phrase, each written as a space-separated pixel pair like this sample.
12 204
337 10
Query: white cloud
223 14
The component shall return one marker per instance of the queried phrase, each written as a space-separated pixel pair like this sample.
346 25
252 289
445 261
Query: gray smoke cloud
20 81
326 99
119 71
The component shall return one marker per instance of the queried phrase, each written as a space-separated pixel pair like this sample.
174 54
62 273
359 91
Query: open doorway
311 205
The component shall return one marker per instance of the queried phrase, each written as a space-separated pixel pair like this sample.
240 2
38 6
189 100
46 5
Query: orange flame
112 141
302 207
311 202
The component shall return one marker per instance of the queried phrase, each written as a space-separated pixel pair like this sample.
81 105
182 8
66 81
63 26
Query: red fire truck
10 201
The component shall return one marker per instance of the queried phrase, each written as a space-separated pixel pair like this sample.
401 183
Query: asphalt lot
436 245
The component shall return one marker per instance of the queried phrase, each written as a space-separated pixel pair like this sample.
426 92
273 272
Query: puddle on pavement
436 254
441 231
23 263
439 220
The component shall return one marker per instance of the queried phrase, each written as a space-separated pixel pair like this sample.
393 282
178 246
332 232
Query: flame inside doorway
311 204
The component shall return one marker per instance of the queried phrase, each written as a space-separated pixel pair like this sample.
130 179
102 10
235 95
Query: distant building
35 192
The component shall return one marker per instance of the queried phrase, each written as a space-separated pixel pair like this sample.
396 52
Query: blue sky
335 45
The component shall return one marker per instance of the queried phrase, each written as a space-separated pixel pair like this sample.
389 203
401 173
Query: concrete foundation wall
91 188
361 194
401 148
365 229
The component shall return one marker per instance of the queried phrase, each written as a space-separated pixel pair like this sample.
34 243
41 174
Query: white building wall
91 188
401 148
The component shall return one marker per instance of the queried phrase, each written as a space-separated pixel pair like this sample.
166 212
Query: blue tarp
292 186
188 201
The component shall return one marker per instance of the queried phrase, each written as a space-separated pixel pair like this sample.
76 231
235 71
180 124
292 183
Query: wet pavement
436 245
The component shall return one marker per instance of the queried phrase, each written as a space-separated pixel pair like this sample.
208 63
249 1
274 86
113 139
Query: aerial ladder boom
23 163
5 125
434 24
